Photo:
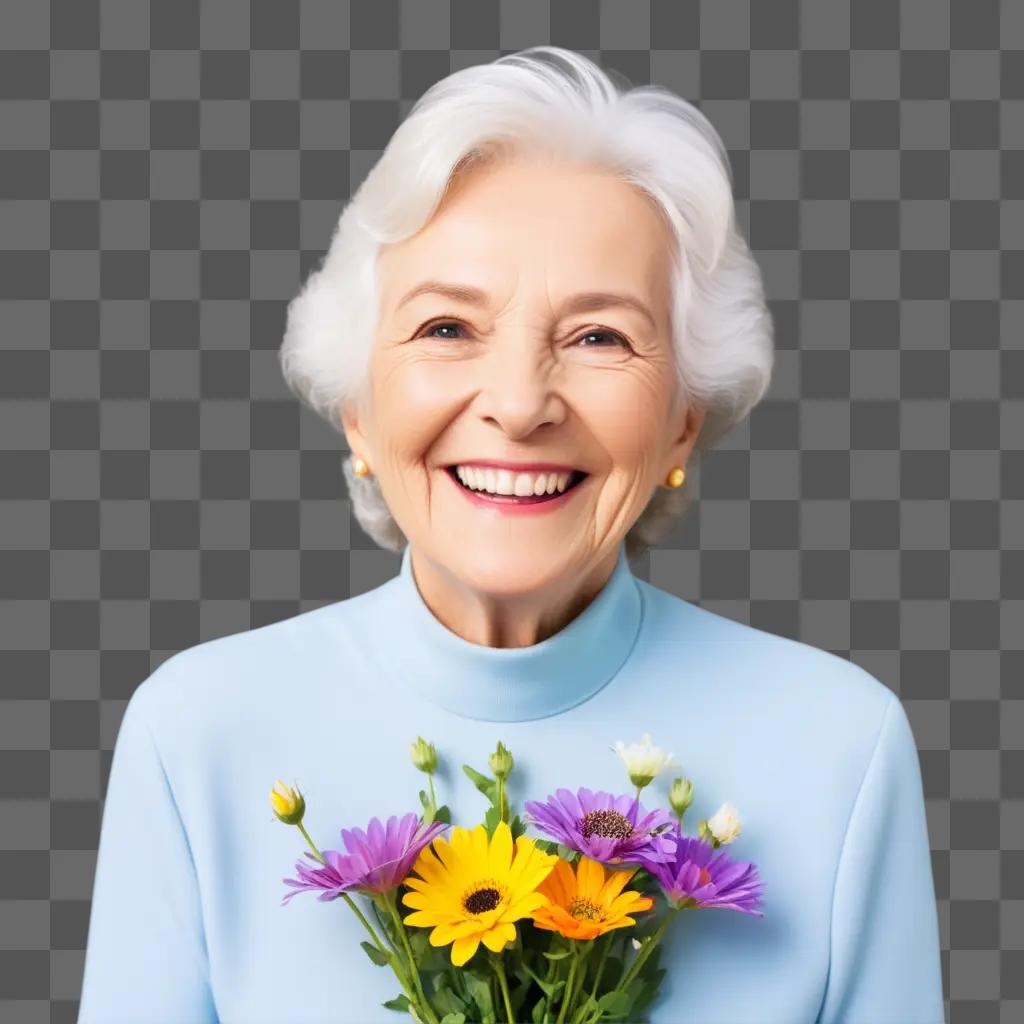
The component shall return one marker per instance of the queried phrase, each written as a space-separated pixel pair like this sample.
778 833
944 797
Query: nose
520 391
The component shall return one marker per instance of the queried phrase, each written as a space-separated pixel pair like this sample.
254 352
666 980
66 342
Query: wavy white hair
551 101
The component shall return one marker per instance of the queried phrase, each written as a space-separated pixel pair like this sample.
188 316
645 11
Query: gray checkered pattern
170 172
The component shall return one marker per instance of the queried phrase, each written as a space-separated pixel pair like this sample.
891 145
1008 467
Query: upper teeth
504 481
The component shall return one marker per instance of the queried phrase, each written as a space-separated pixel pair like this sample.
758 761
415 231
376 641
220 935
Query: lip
519 467
510 507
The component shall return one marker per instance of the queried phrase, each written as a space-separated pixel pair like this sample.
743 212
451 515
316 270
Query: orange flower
588 903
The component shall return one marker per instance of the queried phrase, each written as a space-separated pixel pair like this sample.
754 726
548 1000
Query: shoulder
789 676
210 691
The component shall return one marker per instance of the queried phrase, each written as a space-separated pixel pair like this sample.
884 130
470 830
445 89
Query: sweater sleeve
146 959
885 965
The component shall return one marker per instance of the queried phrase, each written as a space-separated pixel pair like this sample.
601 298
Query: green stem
302 829
345 896
392 955
395 959
568 987
413 969
634 967
552 948
581 975
517 950
499 969
547 977
606 945
433 795
366 924
355 909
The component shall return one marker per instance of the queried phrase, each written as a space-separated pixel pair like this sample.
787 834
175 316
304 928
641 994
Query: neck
435 662
505 619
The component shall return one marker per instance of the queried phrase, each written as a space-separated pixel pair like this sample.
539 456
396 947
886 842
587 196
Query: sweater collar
502 684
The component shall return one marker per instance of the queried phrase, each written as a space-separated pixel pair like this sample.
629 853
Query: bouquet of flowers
578 954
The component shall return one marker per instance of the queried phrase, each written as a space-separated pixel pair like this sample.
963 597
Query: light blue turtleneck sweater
816 754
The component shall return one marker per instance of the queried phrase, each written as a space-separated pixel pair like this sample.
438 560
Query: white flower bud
643 761
725 824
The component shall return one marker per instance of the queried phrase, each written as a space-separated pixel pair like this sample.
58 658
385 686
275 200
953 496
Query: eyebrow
582 302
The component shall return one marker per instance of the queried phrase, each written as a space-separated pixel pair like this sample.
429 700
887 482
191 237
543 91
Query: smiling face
521 368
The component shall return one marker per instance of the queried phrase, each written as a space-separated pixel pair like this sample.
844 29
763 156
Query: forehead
566 226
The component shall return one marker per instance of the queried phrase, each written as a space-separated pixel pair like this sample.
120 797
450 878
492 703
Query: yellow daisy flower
471 889
587 904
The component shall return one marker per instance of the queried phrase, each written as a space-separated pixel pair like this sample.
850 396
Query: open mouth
575 479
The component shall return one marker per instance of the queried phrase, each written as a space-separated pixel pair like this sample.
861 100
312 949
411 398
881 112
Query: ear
689 431
351 422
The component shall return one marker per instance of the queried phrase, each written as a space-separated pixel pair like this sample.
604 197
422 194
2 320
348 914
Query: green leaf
428 957
379 958
491 819
612 972
446 1001
443 813
486 785
518 827
400 1003
384 921
615 1004
650 989
560 955
419 940
552 989
528 972
480 992
453 1018
427 816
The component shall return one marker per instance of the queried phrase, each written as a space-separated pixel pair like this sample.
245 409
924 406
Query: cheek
417 400
625 413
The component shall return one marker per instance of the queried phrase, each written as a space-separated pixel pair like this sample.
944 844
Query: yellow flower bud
288 803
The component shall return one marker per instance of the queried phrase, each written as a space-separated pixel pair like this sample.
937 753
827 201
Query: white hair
552 101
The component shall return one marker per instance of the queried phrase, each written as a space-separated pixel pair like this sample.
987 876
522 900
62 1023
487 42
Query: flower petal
463 949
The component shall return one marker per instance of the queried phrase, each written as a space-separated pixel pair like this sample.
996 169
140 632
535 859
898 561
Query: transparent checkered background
169 174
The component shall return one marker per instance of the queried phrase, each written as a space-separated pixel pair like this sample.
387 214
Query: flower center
581 907
481 900
606 823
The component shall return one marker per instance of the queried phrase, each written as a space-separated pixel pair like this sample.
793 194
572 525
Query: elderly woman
534 310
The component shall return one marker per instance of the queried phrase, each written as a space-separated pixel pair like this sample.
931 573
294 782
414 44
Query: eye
617 339
447 324
613 338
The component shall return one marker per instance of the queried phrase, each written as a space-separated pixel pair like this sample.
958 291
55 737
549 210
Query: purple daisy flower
698 876
604 827
377 860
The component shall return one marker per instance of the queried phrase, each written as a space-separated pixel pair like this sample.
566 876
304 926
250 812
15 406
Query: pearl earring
676 477
359 467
